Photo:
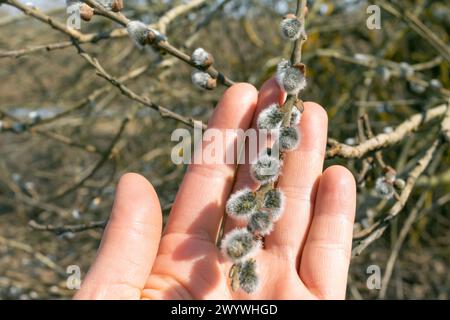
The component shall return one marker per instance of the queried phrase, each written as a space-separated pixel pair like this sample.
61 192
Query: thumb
129 244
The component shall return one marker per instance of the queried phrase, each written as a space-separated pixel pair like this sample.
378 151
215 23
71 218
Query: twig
68 228
164 112
418 26
46 261
162 44
373 62
106 155
384 140
37 48
86 38
177 11
398 245
377 229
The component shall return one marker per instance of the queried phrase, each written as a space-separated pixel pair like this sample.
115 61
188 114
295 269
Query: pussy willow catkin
202 59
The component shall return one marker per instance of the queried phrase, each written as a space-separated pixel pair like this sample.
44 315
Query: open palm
305 257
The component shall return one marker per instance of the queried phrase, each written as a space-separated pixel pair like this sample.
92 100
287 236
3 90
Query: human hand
305 257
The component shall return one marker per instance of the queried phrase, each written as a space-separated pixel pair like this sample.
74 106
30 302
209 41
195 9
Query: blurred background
64 143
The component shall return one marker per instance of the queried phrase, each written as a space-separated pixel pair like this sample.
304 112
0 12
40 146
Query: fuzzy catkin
406 70
248 276
291 28
203 80
241 204
384 188
239 244
266 169
400 184
274 200
260 223
270 118
290 78
296 116
202 58
138 32
289 138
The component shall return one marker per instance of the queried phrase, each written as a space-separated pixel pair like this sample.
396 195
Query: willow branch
46 261
417 26
92 38
164 112
384 140
377 229
67 228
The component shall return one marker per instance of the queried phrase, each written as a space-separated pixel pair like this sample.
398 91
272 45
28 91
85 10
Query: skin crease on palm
306 256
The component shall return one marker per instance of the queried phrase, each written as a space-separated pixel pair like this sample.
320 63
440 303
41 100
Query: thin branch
164 112
377 229
372 62
418 26
106 155
68 228
399 243
177 11
384 140
163 45
46 261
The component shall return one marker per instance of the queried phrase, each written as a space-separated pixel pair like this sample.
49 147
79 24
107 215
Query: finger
301 169
326 256
200 202
129 244
270 93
